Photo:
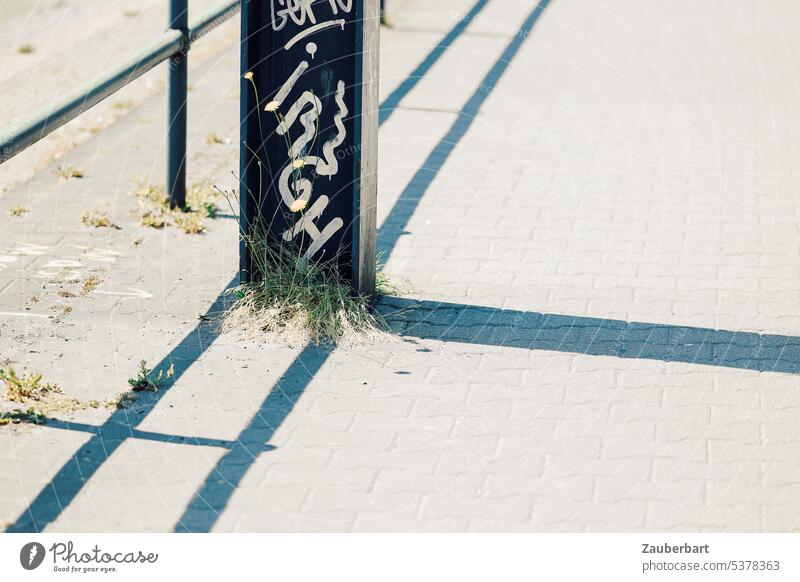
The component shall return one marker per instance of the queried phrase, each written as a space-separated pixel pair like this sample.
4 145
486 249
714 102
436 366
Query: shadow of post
473 324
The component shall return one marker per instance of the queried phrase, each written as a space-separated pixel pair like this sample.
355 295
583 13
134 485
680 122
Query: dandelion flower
271 106
249 75
298 205
296 164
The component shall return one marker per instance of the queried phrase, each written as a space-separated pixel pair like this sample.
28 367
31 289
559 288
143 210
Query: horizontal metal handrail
78 101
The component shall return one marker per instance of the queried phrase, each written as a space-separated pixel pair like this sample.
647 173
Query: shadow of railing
473 324
392 101
211 499
120 426
395 223
110 432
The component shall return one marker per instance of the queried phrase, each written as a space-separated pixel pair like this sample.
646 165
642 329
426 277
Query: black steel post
331 64
176 107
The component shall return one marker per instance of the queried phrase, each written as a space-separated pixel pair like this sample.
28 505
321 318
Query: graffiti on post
305 59
309 131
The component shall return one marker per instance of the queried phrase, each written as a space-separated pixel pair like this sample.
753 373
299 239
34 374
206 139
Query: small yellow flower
296 164
271 106
249 75
298 205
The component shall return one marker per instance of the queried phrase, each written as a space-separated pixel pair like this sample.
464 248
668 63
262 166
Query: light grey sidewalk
596 207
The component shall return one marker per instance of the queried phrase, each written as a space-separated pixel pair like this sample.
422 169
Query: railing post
176 107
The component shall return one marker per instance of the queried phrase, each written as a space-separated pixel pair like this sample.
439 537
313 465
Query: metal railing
174 45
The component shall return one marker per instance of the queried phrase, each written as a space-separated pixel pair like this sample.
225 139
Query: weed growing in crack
29 386
17 416
50 399
89 284
146 381
97 219
17 211
68 172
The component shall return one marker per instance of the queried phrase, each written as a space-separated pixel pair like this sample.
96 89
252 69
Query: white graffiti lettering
302 11
293 187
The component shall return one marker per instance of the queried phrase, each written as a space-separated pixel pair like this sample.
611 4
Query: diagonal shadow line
120 426
71 478
387 108
212 498
118 431
530 330
394 225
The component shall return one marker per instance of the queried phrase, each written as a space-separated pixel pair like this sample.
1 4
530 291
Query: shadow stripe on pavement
474 324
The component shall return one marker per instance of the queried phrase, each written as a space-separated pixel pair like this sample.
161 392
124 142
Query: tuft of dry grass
213 138
296 300
190 223
17 211
27 387
152 219
122 400
98 219
155 212
49 398
68 172
25 49
89 284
